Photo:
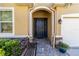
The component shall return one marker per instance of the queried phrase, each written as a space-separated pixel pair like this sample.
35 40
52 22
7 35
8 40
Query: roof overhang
72 15
25 4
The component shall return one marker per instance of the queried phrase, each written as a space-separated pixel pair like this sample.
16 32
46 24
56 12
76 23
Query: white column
30 25
53 33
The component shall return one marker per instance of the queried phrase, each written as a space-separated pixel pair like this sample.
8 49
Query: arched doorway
52 19
41 24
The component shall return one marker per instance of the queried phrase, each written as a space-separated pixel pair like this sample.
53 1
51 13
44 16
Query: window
6 21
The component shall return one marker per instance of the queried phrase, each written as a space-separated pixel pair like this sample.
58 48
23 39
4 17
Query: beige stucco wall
74 8
44 14
20 18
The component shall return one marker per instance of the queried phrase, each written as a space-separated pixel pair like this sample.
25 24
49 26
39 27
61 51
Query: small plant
63 47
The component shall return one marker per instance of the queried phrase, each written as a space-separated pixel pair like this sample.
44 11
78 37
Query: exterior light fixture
59 21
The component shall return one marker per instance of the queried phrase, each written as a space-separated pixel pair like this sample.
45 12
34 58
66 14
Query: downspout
54 29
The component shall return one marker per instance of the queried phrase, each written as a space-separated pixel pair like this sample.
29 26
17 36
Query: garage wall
74 8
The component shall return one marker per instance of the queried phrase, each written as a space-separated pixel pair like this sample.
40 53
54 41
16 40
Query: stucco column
30 26
53 30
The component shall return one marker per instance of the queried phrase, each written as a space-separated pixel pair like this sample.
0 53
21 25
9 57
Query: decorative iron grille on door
40 27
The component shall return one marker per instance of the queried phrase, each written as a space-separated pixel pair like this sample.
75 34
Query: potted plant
63 47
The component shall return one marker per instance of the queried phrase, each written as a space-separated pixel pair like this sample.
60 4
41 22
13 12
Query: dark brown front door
40 27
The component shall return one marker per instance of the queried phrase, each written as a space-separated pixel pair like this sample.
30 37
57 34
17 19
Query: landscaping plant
10 47
63 47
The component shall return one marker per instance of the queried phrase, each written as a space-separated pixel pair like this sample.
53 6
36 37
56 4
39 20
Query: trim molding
58 37
13 36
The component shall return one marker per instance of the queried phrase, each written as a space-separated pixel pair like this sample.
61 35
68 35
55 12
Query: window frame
8 9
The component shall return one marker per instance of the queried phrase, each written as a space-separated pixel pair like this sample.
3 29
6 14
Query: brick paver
45 49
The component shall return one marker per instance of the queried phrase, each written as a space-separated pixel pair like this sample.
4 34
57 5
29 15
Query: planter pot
62 50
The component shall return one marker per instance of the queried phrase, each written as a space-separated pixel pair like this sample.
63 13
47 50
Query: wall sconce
59 21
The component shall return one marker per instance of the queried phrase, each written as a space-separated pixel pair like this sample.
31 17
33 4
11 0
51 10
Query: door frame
53 20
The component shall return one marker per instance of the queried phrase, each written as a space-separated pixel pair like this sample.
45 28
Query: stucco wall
44 14
21 17
21 20
74 8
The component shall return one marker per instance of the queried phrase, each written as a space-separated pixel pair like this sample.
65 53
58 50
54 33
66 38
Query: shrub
10 47
2 52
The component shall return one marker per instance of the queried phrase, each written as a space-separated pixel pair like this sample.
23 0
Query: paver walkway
45 49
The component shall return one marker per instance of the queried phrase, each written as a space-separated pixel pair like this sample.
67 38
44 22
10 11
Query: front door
40 27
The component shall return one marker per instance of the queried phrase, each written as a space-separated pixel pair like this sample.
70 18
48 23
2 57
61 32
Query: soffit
50 5
25 4
42 4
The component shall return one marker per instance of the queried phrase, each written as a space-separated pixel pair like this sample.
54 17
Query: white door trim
31 21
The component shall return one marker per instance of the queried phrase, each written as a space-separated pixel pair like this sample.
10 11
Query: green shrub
2 52
11 47
64 45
